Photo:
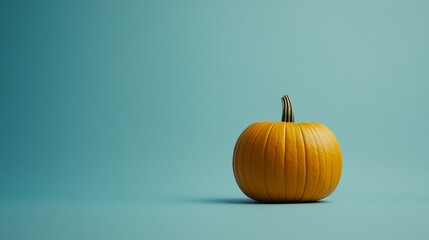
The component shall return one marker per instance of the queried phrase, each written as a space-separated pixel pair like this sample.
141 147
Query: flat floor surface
214 218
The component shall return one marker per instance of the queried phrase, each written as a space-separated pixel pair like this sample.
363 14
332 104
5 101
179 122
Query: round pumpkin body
287 162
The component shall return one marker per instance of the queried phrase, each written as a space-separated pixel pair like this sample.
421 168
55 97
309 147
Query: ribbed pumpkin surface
287 161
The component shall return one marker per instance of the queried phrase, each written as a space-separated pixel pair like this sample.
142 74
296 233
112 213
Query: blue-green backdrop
118 118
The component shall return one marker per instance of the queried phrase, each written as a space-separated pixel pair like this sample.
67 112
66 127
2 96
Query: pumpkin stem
287 115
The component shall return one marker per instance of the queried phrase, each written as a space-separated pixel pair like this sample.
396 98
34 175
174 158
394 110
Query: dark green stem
287 115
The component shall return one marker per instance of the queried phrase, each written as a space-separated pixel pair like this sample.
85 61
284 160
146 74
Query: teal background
118 119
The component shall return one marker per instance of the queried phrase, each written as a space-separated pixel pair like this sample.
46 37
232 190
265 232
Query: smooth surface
214 218
119 119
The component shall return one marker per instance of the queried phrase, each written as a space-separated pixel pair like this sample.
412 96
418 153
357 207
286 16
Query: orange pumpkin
286 161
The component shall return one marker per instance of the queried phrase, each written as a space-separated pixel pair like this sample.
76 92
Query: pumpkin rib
305 162
284 161
310 133
291 162
338 165
242 142
298 156
330 162
322 137
265 162
340 159
236 154
245 152
285 190
251 180
278 180
312 144
335 161
279 162
269 164
319 142
338 162
313 167
236 159
300 171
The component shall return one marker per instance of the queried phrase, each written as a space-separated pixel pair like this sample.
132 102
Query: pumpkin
287 161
